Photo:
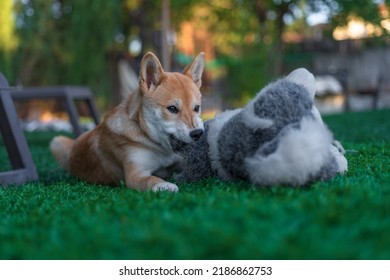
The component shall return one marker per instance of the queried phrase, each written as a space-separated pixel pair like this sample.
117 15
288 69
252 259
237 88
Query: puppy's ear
195 69
151 72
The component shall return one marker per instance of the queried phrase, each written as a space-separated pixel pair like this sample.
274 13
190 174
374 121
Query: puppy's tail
61 147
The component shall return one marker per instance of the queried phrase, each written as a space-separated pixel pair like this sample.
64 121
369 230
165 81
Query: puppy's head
172 101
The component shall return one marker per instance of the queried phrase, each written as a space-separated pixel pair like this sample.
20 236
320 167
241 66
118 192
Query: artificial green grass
348 217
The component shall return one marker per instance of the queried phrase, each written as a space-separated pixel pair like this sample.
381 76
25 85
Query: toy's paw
339 147
340 159
165 187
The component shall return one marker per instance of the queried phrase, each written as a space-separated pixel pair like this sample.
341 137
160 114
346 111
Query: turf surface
348 217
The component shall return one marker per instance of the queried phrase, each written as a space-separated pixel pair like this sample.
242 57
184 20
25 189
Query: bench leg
71 109
93 110
16 145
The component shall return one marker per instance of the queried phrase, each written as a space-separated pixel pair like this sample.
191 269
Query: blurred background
249 43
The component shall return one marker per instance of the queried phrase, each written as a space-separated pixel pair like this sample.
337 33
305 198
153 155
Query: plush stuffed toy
278 138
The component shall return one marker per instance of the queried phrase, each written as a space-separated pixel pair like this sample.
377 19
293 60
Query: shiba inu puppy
132 143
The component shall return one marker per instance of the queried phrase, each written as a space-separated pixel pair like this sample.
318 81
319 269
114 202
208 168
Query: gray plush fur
282 109
196 161
278 138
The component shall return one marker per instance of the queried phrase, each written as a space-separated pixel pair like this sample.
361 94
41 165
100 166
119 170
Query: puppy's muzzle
196 134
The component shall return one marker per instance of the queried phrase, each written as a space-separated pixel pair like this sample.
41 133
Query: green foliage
348 217
8 40
65 42
340 10
265 22
247 37
74 42
246 75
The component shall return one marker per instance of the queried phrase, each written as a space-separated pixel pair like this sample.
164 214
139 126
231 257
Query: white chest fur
151 162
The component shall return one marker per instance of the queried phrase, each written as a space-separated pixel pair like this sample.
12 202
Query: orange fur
132 142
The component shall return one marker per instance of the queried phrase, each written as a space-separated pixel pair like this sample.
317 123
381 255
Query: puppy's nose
196 133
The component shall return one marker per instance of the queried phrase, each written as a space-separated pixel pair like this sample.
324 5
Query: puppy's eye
173 109
197 108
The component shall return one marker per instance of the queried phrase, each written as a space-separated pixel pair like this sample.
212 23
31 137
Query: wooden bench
12 134
67 95
23 167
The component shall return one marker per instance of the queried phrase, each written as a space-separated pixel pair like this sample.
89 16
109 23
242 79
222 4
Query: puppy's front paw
165 187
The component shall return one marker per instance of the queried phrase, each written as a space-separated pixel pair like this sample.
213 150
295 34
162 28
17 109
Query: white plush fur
300 155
